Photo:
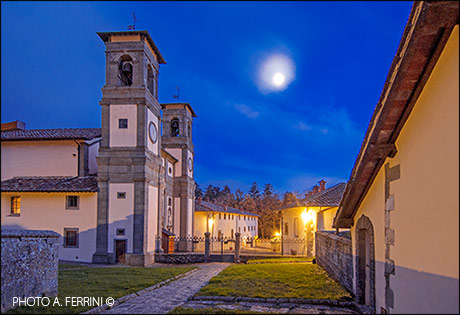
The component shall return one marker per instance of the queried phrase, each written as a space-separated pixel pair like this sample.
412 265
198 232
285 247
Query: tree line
265 203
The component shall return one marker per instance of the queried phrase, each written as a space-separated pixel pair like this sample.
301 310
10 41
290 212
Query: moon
278 79
276 72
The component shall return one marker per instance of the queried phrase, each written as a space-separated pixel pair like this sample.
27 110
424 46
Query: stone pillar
207 247
237 247
310 236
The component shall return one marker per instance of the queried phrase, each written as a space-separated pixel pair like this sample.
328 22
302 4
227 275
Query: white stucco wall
38 158
177 153
123 137
189 217
121 213
152 229
231 222
154 147
190 156
93 152
47 211
176 218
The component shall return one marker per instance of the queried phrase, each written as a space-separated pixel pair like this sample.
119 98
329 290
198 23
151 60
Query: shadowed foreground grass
208 310
106 282
297 280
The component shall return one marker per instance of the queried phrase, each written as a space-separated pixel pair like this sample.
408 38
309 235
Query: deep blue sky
53 69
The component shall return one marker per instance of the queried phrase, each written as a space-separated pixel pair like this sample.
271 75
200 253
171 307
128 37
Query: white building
224 222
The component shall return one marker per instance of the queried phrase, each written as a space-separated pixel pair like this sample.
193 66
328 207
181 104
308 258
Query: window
232 233
126 71
244 229
15 206
225 216
175 127
71 237
220 216
123 123
296 227
232 216
169 201
286 231
120 231
121 195
150 79
72 202
239 229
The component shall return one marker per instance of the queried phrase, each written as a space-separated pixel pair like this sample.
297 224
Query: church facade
111 192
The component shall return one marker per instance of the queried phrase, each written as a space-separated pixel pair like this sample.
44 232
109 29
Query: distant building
224 222
402 200
301 219
110 192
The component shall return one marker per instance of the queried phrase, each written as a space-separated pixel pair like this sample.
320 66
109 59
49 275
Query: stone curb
337 303
135 294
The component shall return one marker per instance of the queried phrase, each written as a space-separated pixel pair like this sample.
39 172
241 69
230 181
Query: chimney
315 189
322 185
14 125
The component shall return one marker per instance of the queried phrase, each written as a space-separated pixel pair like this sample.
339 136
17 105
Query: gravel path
166 298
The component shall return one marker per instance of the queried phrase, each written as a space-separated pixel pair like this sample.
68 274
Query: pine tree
254 191
198 191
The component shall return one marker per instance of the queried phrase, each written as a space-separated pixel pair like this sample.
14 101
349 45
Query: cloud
246 110
302 126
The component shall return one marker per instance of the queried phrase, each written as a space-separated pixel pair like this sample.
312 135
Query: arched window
175 127
150 79
126 71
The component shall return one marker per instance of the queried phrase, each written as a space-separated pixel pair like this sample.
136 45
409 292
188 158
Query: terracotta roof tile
50 184
329 197
51 134
205 206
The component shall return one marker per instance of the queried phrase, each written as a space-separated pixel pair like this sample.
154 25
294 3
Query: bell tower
129 161
177 141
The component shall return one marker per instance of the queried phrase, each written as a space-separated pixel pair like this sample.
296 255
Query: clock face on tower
153 134
190 164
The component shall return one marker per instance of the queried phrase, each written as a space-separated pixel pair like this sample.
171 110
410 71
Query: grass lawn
112 282
299 280
283 259
208 310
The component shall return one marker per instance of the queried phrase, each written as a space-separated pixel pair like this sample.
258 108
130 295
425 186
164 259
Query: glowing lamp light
210 223
308 216
277 234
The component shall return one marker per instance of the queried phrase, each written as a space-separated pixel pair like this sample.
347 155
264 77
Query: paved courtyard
166 298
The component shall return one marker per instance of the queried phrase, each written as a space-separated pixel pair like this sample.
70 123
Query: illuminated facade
300 220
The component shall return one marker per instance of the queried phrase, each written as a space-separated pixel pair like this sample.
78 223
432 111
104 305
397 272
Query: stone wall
29 265
179 258
334 254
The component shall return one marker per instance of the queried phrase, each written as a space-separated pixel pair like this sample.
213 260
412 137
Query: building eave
425 35
105 36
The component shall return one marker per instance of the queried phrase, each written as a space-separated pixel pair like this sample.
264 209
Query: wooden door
120 251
